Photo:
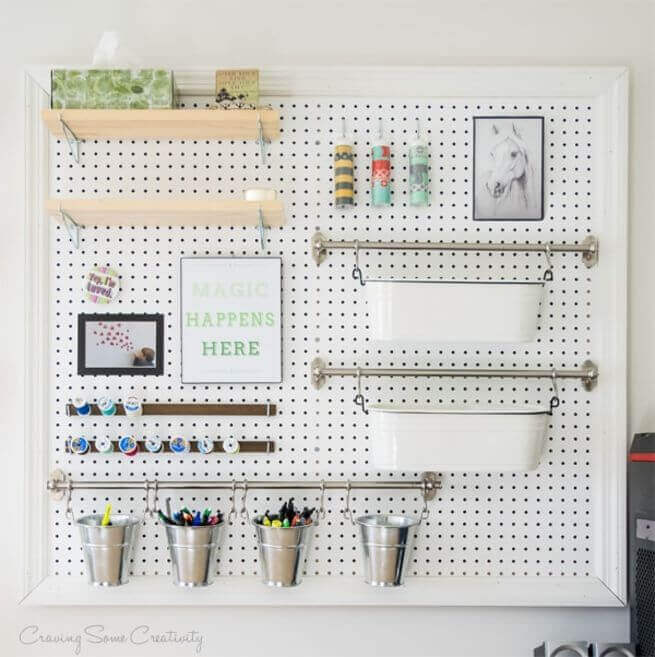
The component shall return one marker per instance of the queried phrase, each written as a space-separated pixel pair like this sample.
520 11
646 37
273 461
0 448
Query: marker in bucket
104 445
79 445
154 444
128 446
180 445
106 517
82 407
106 406
132 406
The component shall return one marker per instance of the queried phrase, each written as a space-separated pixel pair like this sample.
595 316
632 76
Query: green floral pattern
112 89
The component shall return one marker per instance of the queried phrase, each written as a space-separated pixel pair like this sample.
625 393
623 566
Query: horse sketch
508 185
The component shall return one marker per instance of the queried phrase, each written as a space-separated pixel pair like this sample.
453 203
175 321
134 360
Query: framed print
230 320
508 168
120 344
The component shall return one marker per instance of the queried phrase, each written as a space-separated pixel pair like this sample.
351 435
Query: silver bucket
193 553
387 543
282 552
107 549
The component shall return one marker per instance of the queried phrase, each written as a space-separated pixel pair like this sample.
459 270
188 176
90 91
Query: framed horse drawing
508 168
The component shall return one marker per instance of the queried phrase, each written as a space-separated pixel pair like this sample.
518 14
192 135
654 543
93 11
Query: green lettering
231 319
207 321
192 319
220 318
256 319
253 348
239 348
225 349
207 346
200 289
270 319
243 319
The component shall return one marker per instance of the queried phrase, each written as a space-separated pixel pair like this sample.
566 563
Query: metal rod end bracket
590 376
316 373
57 485
319 252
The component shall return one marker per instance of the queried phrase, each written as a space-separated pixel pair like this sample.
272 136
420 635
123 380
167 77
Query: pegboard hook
233 511
260 137
548 274
357 272
69 501
151 510
359 398
72 139
71 226
244 508
347 512
262 230
321 504
425 512
554 400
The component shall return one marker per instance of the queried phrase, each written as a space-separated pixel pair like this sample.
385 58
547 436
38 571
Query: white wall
200 32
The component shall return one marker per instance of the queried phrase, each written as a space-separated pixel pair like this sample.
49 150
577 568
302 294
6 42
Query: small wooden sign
237 88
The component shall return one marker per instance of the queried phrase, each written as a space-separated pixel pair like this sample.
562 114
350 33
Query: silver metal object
260 138
387 542
262 230
72 228
588 248
319 372
72 139
107 549
59 484
282 552
193 553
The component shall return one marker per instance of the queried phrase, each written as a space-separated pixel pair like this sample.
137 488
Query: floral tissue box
145 88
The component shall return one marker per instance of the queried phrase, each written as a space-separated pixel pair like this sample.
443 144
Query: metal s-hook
69 501
244 509
233 511
347 512
425 512
357 272
359 398
321 504
554 400
548 274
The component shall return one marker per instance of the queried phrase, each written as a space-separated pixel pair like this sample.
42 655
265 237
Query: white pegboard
532 524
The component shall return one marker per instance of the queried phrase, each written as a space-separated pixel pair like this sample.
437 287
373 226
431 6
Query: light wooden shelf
164 123
168 212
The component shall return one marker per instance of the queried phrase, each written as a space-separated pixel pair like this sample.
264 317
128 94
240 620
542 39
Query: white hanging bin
456 439
453 311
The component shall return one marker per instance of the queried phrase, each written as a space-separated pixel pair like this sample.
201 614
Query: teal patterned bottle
380 172
419 179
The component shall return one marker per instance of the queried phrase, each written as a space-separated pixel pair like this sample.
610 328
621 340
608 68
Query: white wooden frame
609 85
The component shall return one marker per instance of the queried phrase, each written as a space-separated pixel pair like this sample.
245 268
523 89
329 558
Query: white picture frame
230 320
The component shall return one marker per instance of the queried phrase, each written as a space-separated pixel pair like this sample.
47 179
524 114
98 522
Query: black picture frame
156 318
541 163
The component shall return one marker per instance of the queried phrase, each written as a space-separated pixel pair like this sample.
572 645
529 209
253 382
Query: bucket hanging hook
548 274
425 512
347 512
554 400
244 508
359 398
357 272
69 501
233 511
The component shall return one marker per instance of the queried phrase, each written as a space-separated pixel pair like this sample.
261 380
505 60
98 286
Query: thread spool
180 445
344 173
79 445
154 444
419 180
104 445
82 407
205 445
380 171
106 406
132 406
128 445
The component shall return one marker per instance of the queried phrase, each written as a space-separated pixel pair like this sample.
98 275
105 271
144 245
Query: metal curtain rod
59 485
588 373
588 248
